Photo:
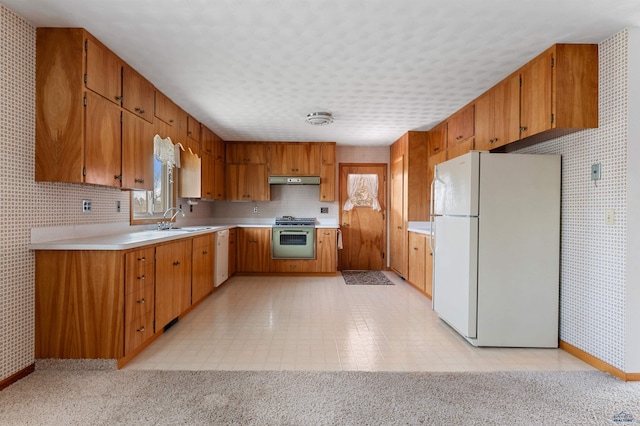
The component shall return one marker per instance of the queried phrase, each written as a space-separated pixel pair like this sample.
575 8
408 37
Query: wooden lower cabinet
293 266
173 280
139 301
326 250
254 250
202 274
420 262
233 250
79 304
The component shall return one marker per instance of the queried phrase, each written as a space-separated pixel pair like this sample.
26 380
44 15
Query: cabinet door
202 275
206 141
428 284
137 94
137 152
506 111
165 109
437 138
417 259
460 148
254 249
326 254
328 182
173 281
298 159
193 128
103 72
218 179
396 216
233 250
247 182
328 153
207 177
535 101
460 125
242 153
218 148
102 141
484 127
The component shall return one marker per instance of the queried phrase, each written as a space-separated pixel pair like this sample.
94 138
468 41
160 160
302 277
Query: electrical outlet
255 209
595 171
86 206
324 209
118 206
609 216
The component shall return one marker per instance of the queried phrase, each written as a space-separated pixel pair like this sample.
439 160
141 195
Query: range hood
294 180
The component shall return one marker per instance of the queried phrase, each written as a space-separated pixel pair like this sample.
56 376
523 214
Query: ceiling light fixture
319 118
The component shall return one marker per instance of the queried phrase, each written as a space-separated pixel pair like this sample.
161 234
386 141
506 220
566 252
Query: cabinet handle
119 98
436 149
139 110
171 120
142 277
345 224
176 263
415 248
205 252
141 301
142 259
118 177
141 329
138 180
459 137
399 227
523 129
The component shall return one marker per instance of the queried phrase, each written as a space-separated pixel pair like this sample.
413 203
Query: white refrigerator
496 248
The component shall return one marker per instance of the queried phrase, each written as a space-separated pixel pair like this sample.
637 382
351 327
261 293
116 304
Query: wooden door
363 229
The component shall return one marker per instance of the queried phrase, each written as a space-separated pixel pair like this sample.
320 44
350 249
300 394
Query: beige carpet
111 397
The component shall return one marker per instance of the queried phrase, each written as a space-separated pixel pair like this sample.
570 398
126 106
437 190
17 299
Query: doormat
365 278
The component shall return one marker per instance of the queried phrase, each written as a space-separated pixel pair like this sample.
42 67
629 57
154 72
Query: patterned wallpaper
593 255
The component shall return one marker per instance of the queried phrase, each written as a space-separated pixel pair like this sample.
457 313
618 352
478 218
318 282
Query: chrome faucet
169 224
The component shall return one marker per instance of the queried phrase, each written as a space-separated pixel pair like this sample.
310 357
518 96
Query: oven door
293 242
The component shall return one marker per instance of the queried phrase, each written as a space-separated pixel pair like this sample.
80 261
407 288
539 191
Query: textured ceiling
253 69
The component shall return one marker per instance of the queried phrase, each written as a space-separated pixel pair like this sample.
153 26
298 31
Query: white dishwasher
221 265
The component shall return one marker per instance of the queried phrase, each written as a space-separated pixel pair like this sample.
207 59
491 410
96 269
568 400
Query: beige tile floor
319 323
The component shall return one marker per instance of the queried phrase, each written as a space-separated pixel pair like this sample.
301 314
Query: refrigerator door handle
432 223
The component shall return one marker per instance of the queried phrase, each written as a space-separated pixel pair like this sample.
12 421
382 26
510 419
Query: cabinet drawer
138 303
138 331
140 268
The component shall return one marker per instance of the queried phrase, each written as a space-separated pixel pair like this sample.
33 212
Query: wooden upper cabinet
241 153
246 182
218 147
437 138
498 115
560 90
298 159
207 141
77 125
460 126
137 152
137 94
328 172
103 150
327 153
165 109
535 106
193 128
207 176
103 68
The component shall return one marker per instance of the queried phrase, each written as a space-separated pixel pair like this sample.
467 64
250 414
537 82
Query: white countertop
420 227
119 240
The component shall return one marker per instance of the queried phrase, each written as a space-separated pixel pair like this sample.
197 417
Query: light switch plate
595 171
